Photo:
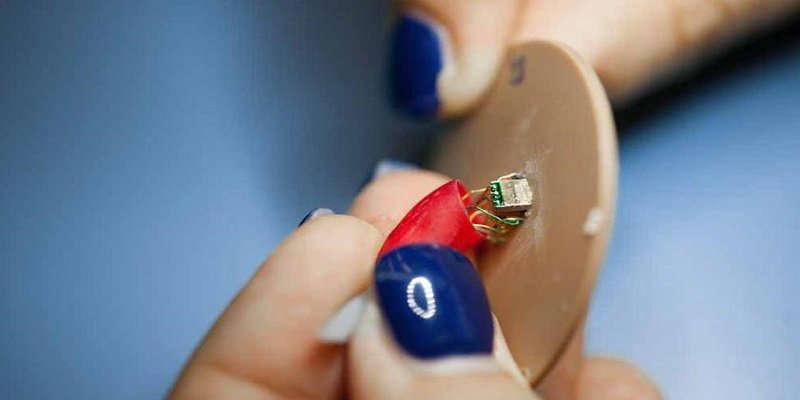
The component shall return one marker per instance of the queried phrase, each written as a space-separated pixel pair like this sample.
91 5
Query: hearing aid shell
547 117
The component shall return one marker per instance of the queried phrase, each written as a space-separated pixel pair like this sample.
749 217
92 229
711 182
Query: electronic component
512 194
449 216
500 206
454 217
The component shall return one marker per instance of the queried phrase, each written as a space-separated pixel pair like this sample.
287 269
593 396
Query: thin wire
486 227
508 221
472 216
469 194
494 233
508 176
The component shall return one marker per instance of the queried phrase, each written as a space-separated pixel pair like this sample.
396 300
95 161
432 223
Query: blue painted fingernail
414 65
434 302
317 212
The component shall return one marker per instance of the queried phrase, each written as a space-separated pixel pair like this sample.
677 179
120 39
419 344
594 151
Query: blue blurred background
152 154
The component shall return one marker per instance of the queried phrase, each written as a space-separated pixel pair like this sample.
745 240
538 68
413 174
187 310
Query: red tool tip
441 218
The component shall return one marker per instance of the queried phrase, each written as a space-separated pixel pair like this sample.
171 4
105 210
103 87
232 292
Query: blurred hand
265 346
444 53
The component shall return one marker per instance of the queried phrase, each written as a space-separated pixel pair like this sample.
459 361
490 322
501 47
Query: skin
264 345
632 44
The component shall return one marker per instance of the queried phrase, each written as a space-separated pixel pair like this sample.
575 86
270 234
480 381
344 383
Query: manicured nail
341 325
386 166
415 62
317 212
434 302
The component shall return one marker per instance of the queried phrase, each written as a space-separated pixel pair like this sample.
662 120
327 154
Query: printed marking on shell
594 218
430 300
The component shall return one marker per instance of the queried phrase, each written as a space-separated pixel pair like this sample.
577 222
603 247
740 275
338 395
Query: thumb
444 53
429 333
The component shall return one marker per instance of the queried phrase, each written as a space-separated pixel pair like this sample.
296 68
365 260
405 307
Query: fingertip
323 229
434 302
444 54
386 166
331 256
385 200
380 369
412 181
606 377
267 335
416 59
313 214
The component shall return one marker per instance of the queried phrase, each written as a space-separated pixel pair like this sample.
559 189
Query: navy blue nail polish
414 65
434 302
317 212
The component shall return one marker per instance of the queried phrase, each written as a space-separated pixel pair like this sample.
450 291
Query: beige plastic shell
549 118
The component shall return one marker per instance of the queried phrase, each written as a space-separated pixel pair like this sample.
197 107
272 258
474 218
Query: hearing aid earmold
548 118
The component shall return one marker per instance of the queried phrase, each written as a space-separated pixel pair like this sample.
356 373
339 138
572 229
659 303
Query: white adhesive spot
593 221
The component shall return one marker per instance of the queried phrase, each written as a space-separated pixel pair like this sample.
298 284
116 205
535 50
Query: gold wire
502 225
507 176
472 192
486 227
472 216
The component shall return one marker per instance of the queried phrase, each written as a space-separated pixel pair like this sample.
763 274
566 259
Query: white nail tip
340 327
384 167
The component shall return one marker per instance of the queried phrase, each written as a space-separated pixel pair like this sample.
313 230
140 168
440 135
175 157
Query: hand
444 53
264 346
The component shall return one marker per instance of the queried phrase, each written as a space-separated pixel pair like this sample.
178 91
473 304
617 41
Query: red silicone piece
438 218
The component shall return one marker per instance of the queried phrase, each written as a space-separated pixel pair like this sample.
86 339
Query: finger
385 200
574 376
608 378
444 53
388 198
379 370
633 43
394 189
439 345
265 342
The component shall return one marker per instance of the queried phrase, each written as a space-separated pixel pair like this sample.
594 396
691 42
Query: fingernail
341 325
415 62
317 212
434 302
386 166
